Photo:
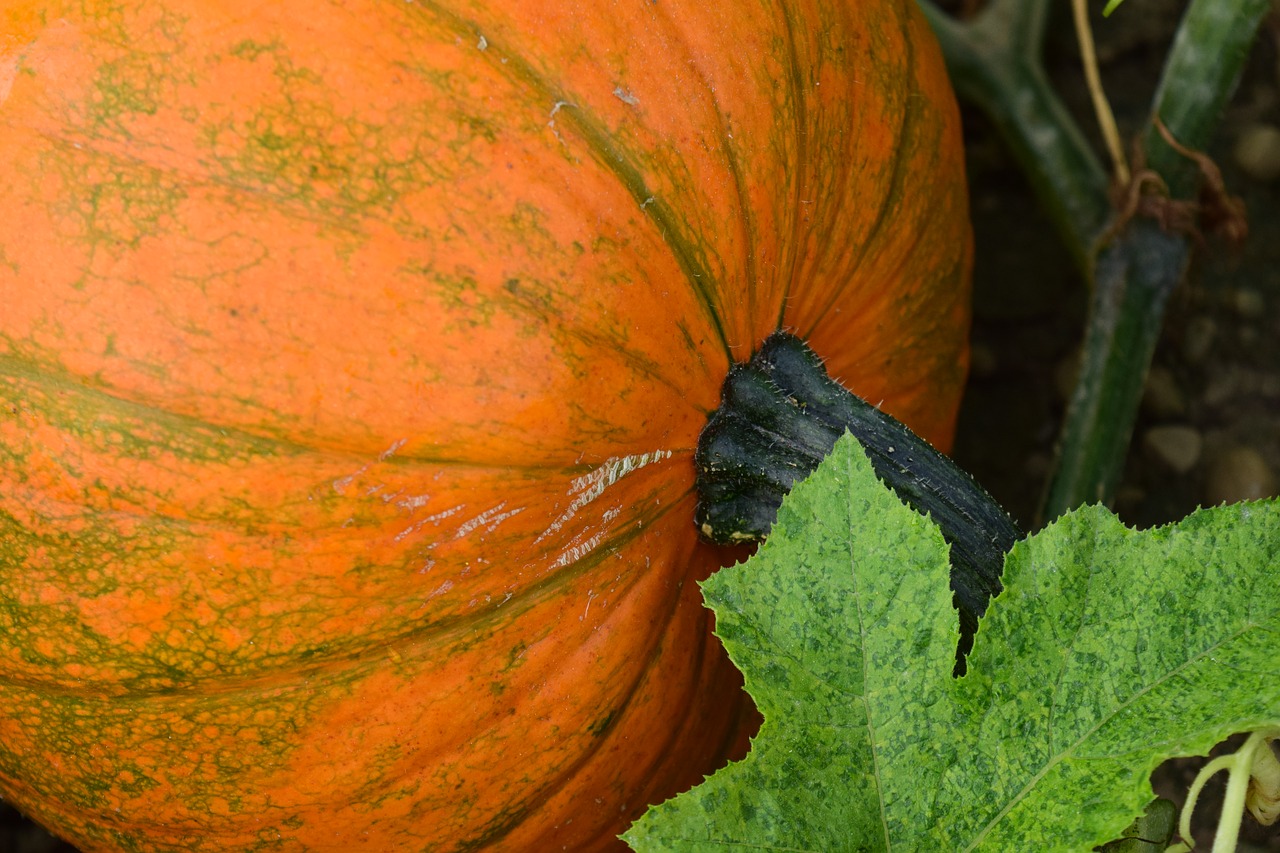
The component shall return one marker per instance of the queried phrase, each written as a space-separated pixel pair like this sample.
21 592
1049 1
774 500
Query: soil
1216 377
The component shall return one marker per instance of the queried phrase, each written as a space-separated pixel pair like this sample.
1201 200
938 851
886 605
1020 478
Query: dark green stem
1136 273
1200 75
1132 283
995 62
780 414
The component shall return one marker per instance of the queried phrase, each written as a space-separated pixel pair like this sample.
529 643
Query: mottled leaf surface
1109 651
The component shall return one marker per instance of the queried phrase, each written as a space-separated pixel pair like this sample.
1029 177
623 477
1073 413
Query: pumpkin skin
352 359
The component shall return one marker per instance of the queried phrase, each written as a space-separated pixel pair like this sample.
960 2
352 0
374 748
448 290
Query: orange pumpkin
352 357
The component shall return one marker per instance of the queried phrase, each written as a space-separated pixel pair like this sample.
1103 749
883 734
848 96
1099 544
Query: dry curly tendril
1146 194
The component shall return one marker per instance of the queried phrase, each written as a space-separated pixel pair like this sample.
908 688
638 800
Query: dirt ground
1210 427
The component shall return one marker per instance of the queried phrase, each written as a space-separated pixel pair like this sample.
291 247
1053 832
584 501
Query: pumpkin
353 355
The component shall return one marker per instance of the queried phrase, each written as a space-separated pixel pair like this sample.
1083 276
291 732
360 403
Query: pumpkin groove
349 391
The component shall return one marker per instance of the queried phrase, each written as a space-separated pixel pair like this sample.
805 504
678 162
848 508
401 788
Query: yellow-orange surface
352 356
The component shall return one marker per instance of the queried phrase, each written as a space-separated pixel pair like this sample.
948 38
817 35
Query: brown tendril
1215 211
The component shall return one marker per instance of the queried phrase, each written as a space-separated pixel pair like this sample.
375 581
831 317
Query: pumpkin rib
599 343
597 141
102 147
801 168
657 633
342 660
613 159
748 229
890 197
822 233
187 829
97 398
550 787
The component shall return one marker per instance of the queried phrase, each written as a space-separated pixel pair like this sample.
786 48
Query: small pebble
1257 151
1239 474
1223 387
1197 338
1162 398
1248 303
1176 447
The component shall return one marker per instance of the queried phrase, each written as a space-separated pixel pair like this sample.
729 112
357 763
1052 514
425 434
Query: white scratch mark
590 486
414 502
489 519
483 44
340 484
577 552
443 514
391 451
552 123
590 598
626 97
430 519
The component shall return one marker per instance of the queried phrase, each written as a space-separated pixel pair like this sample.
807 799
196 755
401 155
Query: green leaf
1109 651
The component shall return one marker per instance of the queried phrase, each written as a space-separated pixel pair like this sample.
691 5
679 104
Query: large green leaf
1109 651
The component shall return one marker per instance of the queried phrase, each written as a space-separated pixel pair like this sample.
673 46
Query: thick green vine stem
1136 272
780 414
1200 74
995 62
1133 281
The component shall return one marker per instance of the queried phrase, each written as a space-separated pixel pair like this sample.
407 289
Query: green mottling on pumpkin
141 80
515 658
124 87
459 293
304 149
75 726
128 430
527 219
607 149
533 301
251 49
123 205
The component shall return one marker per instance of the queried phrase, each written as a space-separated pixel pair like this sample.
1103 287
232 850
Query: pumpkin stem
780 414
